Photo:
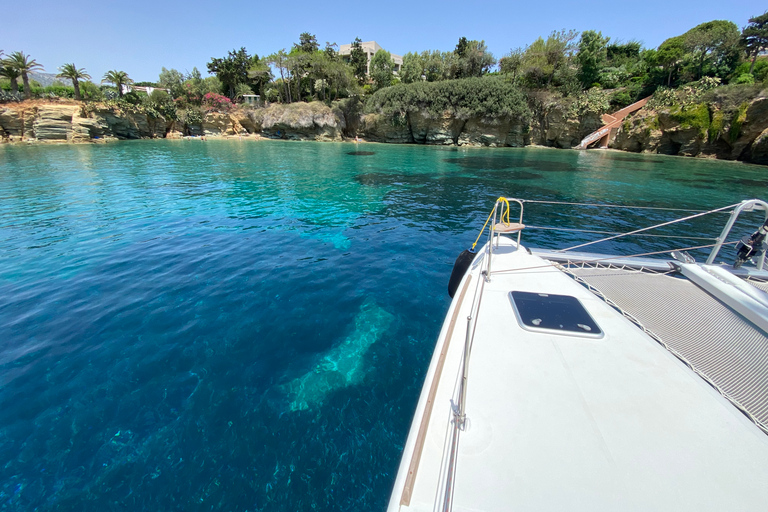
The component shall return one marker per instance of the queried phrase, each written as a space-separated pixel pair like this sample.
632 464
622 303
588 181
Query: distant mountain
46 79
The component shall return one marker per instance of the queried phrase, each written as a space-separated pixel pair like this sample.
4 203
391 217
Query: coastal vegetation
565 63
704 80
464 98
119 79
71 72
21 64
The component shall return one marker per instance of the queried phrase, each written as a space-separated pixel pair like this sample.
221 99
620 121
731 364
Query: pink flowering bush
213 101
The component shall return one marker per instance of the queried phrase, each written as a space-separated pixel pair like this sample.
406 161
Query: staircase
611 123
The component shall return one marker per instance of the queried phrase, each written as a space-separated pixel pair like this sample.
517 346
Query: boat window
556 314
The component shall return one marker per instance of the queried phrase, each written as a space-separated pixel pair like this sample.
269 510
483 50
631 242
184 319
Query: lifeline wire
617 233
648 228
617 206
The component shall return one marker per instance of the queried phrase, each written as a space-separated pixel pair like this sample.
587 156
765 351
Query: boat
570 380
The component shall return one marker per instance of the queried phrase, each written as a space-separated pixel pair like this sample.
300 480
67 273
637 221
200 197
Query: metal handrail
745 206
493 232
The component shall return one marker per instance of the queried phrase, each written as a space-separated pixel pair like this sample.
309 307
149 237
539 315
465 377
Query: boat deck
566 422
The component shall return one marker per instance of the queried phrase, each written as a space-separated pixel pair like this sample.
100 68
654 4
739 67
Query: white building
370 48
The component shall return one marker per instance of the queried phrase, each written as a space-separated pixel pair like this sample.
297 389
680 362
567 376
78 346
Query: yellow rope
501 218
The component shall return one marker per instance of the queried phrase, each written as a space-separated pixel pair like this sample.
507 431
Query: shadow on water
747 182
486 163
645 159
397 179
361 153
512 176
693 181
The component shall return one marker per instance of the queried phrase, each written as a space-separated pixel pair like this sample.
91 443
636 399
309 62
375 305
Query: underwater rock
343 365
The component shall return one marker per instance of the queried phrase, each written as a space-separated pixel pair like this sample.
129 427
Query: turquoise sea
242 326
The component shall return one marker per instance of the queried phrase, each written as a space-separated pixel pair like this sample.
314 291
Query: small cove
241 325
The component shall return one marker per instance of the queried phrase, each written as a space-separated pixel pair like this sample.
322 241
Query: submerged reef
344 365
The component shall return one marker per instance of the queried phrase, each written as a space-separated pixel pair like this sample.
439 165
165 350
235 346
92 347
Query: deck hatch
554 314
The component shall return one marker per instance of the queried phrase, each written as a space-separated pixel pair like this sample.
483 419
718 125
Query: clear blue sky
142 37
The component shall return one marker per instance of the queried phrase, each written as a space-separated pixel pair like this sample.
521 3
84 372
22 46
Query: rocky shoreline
740 137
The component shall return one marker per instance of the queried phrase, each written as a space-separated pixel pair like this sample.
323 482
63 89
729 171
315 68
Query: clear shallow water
246 325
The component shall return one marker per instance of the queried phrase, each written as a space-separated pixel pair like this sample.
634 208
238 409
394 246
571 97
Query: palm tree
119 78
23 65
11 74
70 71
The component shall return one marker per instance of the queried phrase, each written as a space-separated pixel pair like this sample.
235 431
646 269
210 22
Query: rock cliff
700 130
304 121
73 123
420 128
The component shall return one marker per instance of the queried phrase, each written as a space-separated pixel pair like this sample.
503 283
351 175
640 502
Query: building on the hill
370 48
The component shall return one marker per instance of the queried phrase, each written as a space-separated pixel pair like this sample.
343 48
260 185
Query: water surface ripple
238 325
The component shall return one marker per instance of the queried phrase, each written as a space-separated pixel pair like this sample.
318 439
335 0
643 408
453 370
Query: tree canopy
592 56
670 55
755 37
543 62
713 47
358 60
382 69
172 80
73 73
488 97
22 64
307 43
473 59
118 78
232 70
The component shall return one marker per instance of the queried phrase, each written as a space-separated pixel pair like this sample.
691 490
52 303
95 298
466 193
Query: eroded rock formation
702 130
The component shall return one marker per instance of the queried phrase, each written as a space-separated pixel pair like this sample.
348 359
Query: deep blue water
240 325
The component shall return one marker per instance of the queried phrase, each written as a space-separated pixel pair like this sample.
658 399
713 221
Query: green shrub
10 96
738 119
731 97
716 125
61 91
759 72
161 103
663 97
134 98
687 95
191 116
489 97
744 78
620 99
591 101
109 93
120 106
90 91
693 116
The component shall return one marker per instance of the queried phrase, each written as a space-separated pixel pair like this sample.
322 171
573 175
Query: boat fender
459 269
